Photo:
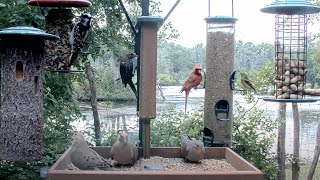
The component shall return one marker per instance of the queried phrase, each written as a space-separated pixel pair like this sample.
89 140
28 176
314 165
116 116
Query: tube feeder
59 22
22 50
290 47
219 66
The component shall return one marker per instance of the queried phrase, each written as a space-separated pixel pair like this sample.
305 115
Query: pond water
125 117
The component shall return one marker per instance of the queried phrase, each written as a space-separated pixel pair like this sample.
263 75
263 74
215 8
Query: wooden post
148 74
94 103
316 155
281 153
21 93
296 142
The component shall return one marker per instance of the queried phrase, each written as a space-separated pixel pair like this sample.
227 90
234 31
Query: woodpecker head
85 19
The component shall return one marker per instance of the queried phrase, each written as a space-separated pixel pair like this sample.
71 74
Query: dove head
198 146
78 139
123 137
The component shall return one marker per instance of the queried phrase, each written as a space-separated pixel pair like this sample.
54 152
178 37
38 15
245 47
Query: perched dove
124 152
192 149
85 158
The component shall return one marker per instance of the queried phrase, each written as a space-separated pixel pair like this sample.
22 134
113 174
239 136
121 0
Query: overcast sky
188 19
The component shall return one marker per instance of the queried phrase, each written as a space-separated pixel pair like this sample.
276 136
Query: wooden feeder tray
244 170
60 3
305 100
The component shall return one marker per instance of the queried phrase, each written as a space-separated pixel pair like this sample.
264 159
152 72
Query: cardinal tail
186 102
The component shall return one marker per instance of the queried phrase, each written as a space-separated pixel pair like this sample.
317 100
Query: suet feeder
219 66
59 22
22 50
290 46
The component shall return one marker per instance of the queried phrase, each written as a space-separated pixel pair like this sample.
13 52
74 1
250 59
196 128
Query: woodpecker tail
133 87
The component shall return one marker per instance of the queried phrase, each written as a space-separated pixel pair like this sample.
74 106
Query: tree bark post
316 155
296 142
281 153
94 103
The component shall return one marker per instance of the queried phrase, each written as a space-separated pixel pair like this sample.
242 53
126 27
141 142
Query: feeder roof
60 3
221 19
291 7
26 31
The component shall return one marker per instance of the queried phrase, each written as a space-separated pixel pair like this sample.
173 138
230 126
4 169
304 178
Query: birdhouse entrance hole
19 70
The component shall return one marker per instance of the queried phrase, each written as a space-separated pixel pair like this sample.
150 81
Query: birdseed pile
157 163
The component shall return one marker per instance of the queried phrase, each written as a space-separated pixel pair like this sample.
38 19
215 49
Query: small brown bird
192 149
124 152
193 81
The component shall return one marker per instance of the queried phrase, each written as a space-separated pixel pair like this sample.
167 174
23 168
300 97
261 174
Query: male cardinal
246 82
193 81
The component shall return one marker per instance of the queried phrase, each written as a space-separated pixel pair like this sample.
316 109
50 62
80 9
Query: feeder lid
291 7
221 19
60 3
26 31
150 19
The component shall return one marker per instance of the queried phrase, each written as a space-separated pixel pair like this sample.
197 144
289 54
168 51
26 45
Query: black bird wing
126 71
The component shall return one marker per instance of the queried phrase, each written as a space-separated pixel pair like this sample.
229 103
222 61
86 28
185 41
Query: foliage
254 134
170 125
262 78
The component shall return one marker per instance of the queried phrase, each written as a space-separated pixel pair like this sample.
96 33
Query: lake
125 116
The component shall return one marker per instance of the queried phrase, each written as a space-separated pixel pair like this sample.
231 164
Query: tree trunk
316 155
92 83
281 153
311 92
296 143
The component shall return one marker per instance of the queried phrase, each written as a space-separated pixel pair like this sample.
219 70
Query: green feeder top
26 31
221 19
291 7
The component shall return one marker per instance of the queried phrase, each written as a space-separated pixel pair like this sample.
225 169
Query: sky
188 18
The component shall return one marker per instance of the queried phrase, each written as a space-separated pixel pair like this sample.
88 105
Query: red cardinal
193 81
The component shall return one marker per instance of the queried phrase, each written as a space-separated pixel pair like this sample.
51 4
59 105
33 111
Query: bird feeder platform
244 170
305 100
60 3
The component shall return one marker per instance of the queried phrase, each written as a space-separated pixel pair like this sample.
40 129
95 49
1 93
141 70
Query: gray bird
192 149
85 158
124 152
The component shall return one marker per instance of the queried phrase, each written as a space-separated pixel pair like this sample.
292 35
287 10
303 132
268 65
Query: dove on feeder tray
85 158
123 151
192 149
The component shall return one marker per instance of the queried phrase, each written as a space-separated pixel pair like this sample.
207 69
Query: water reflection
125 117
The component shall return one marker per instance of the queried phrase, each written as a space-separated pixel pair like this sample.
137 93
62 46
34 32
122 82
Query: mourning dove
192 149
124 152
85 158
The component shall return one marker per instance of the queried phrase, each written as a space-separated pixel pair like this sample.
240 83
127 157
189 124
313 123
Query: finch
246 82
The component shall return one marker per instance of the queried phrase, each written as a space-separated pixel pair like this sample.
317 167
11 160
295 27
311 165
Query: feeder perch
59 22
290 46
22 51
219 84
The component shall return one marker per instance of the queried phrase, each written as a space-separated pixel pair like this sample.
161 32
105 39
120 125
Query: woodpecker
78 36
128 66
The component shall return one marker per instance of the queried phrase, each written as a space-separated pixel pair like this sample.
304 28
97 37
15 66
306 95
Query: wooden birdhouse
22 50
291 23
59 22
